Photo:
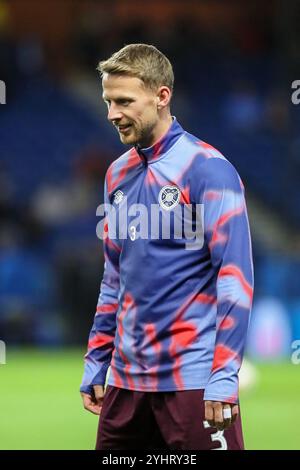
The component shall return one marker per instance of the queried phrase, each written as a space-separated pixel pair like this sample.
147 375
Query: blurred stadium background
234 65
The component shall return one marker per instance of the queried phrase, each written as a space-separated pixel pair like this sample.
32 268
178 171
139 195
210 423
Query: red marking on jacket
226 323
213 195
100 340
185 196
222 356
110 244
218 237
183 334
133 160
107 308
232 270
206 299
207 146
232 399
150 178
157 149
150 332
128 303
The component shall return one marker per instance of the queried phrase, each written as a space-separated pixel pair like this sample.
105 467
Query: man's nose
114 114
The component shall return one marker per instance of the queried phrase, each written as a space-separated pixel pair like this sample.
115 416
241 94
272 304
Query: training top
173 313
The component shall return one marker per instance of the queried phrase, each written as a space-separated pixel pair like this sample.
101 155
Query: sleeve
102 335
227 234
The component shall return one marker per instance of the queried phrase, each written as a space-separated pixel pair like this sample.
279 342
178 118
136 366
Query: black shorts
161 421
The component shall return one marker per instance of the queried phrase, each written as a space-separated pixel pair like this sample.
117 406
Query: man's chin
127 140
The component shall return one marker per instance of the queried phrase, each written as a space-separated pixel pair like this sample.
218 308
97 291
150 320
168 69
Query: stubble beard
144 135
141 136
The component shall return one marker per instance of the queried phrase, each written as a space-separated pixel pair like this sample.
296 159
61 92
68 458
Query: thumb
99 393
234 412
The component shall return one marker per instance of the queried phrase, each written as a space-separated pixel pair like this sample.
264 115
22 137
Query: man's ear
163 97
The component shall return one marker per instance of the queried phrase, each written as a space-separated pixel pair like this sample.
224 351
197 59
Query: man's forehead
120 81
120 84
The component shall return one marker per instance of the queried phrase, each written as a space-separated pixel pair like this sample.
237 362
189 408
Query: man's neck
158 132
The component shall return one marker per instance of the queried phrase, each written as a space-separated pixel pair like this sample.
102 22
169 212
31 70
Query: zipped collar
163 145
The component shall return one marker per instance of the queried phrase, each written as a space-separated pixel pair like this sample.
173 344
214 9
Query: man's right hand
94 403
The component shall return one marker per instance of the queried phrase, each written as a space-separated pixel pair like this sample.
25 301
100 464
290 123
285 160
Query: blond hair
143 61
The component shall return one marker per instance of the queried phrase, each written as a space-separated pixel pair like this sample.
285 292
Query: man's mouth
125 128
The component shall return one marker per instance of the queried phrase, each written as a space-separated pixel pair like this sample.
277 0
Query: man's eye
120 103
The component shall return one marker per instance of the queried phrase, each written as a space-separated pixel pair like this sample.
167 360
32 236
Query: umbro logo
118 196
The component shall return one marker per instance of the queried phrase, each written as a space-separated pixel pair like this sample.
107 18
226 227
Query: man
172 318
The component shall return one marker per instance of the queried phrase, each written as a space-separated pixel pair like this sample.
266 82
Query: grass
271 412
40 406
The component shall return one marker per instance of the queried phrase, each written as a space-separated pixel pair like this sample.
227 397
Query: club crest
169 197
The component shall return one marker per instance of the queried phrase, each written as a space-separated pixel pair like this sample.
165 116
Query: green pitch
40 407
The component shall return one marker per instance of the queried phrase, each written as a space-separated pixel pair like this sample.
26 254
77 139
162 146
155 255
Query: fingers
220 415
209 413
94 403
227 416
90 404
99 393
235 412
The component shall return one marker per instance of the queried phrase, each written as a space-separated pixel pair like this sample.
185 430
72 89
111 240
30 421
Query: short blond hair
143 61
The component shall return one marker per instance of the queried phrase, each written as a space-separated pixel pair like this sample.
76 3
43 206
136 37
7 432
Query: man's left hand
220 415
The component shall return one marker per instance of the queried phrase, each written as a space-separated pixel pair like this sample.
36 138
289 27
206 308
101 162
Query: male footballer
172 315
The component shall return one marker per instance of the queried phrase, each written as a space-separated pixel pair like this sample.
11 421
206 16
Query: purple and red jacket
171 318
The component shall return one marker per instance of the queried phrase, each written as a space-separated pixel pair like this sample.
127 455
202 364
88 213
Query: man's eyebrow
119 98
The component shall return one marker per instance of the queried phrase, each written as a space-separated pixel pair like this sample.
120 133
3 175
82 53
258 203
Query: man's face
132 108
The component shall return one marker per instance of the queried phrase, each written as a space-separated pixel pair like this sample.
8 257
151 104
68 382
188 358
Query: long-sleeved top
173 312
